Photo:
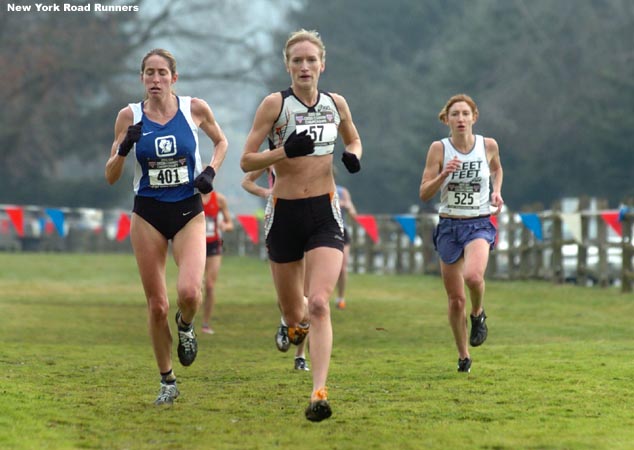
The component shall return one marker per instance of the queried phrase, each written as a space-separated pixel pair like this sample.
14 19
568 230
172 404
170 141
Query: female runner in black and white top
303 223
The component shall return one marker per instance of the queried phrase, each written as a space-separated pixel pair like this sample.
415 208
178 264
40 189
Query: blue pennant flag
408 223
57 217
534 224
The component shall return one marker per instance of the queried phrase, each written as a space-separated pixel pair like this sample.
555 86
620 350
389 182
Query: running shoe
187 344
464 365
479 329
301 364
296 335
341 303
169 393
319 408
206 329
282 342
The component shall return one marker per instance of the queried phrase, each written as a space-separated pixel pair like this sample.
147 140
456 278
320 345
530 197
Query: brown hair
444 112
171 61
304 35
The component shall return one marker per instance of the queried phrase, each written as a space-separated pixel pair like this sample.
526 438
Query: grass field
78 370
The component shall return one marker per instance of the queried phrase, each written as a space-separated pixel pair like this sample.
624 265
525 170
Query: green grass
78 370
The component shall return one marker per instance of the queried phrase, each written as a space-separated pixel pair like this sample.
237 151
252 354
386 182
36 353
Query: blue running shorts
452 235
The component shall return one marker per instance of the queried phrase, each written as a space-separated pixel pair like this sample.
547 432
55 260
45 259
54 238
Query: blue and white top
167 156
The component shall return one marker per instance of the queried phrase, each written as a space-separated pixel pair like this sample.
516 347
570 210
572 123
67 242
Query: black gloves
131 137
203 182
299 145
351 162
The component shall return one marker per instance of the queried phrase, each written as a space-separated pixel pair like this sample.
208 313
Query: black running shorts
214 248
167 217
293 227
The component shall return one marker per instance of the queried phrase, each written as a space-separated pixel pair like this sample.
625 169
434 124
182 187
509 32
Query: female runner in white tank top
465 168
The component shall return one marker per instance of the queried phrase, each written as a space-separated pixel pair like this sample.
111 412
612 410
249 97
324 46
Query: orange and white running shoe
296 335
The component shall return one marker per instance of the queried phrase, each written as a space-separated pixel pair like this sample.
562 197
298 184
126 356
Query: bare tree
66 74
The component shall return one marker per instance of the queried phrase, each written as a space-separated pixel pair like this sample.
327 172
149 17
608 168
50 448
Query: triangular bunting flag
250 226
408 223
494 222
368 222
57 216
16 215
123 229
533 223
612 219
572 221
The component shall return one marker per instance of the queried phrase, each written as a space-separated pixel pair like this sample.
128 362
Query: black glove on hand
131 137
351 162
203 182
299 145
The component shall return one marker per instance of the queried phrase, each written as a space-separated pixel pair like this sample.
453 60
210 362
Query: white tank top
465 193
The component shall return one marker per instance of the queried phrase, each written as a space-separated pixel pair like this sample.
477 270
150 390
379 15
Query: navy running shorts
452 235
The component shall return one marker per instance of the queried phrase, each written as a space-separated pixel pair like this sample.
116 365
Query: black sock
168 377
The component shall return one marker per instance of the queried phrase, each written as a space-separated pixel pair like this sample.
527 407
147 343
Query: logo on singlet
165 146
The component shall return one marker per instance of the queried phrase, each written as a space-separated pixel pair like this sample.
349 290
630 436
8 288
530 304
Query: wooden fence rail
599 256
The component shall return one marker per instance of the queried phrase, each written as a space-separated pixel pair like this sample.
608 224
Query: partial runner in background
249 184
347 209
215 208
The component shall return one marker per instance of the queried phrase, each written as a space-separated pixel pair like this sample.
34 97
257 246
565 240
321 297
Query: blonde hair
301 36
444 112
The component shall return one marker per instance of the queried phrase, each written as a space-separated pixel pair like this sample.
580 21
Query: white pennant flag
573 222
